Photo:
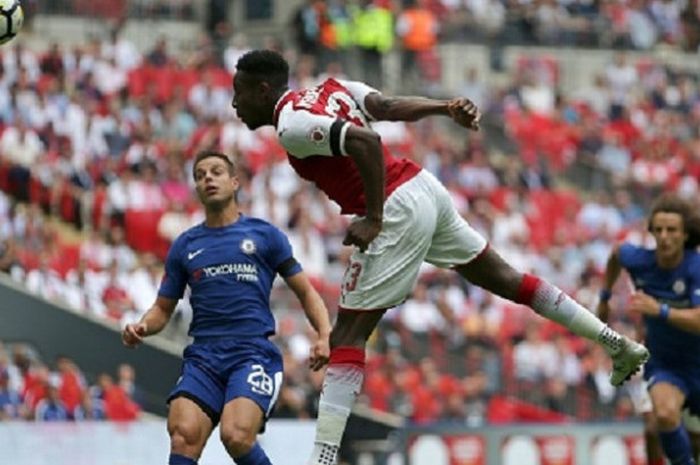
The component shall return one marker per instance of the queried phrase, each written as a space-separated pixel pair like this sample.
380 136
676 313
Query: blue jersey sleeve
694 280
281 257
174 280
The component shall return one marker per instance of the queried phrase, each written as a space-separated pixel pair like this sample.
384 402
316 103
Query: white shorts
420 224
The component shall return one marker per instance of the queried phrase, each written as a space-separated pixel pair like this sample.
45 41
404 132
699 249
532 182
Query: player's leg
668 400
376 280
241 421
343 380
655 454
251 392
494 274
195 406
457 245
641 400
189 428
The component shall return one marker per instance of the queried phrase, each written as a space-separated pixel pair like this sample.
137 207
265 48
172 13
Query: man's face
667 229
250 96
215 184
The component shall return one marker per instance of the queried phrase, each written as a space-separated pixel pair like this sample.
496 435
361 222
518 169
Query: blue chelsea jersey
230 271
679 288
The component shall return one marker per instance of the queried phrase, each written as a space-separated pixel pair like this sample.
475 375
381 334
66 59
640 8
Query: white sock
554 304
341 386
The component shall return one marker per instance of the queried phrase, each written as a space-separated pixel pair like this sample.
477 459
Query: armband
664 311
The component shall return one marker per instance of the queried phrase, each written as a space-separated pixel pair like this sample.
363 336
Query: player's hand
133 334
362 232
319 354
644 304
464 112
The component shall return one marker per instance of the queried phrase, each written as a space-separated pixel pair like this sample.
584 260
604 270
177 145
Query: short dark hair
266 65
672 203
210 153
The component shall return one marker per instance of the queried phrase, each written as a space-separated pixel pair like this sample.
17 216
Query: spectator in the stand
158 56
174 221
89 409
44 280
51 408
143 281
126 376
119 250
115 294
373 32
95 251
52 62
21 147
535 358
418 28
10 401
237 48
144 191
117 405
71 384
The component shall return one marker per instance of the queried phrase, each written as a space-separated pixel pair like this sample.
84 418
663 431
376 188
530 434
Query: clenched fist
464 112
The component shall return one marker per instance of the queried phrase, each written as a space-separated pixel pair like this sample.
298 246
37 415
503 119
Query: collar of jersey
280 103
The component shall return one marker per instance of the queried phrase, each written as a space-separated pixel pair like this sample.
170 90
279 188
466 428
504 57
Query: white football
11 18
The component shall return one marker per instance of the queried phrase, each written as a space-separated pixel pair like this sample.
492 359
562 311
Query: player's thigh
188 426
668 400
258 379
383 275
241 421
200 382
353 328
454 241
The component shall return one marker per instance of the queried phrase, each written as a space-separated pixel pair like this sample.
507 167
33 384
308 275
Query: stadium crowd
31 390
101 137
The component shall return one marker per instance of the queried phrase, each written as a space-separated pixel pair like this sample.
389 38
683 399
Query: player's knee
237 440
667 417
185 439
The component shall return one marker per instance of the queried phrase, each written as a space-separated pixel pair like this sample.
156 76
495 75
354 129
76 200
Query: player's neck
669 262
275 100
221 217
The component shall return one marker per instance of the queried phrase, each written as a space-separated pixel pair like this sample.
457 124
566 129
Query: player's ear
264 87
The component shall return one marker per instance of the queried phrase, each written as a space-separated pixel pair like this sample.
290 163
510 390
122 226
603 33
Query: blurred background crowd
32 390
97 141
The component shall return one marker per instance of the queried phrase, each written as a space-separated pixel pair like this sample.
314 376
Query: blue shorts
218 370
688 381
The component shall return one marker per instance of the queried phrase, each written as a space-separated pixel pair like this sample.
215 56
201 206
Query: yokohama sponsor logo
240 269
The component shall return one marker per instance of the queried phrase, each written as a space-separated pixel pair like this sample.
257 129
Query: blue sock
177 459
676 445
256 456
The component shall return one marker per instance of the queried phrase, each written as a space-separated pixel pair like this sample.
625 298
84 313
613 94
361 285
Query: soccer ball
11 18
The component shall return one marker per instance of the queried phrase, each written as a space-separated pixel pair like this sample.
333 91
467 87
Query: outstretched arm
152 322
612 272
389 108
317 314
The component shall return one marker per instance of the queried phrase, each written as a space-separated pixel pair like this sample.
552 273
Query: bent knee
667 417
238 440
186 439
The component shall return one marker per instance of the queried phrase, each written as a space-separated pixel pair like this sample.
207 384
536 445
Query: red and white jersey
311 125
